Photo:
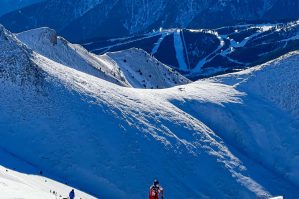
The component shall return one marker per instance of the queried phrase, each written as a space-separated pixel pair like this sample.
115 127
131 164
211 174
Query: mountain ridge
143 69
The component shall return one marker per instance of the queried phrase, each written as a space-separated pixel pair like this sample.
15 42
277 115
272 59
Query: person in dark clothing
72 194
156 191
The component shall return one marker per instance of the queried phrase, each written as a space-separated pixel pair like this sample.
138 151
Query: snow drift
227 137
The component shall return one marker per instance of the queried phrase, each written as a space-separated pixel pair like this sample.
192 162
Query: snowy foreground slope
18 185
233 136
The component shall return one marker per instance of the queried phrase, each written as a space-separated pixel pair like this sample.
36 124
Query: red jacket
156 192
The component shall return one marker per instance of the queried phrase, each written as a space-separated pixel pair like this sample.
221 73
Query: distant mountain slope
87 19
203 53
225 137
7 6
50 13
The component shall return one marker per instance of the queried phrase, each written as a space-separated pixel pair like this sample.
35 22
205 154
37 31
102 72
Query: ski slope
226 137
201 53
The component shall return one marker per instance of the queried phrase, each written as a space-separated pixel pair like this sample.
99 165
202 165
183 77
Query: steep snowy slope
275 81
86 19
265 125
31 185
46 42
144 71
209 139
124 68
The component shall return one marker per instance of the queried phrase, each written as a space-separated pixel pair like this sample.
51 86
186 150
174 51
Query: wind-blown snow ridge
273 74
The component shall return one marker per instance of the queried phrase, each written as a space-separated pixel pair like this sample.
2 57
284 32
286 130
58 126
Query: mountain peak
3 32
16 61
44 34
142 70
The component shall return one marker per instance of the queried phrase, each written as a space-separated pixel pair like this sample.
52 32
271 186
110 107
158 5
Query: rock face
87 19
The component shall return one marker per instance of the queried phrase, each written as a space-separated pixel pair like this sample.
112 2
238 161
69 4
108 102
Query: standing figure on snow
156 191
72 194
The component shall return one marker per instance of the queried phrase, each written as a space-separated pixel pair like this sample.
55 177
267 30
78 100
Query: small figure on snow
72 194
156 191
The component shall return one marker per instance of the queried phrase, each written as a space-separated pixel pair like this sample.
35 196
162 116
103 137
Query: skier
156 191
72 194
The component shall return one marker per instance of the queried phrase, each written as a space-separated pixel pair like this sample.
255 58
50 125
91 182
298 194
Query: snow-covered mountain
231 136
132 68
86 19
46 42
141 70
204 52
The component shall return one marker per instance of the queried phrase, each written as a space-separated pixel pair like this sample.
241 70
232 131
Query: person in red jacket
156 191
